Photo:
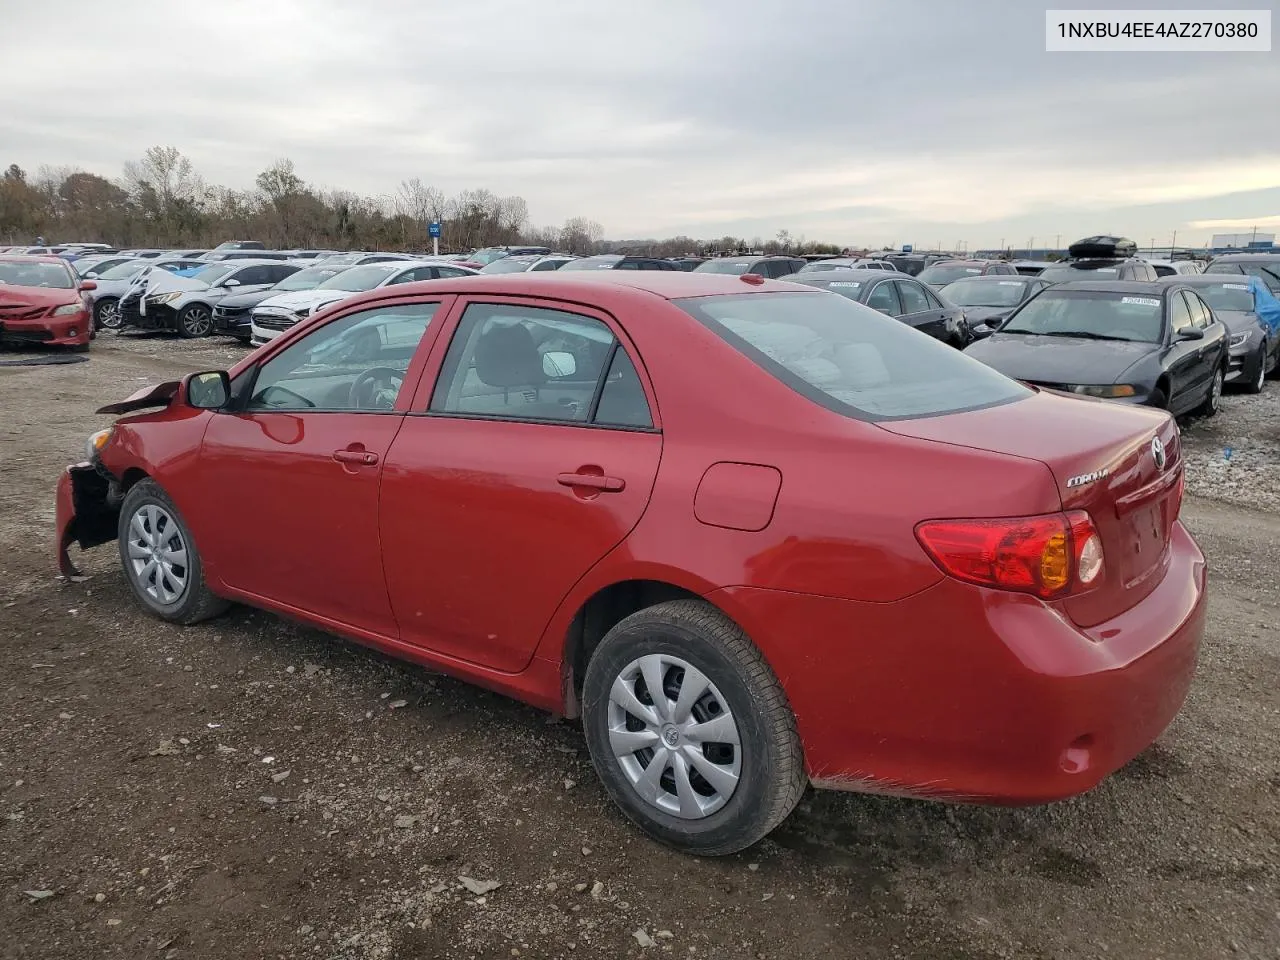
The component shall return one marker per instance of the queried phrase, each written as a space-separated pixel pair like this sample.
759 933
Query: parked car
726 637
1100 258
896 295
232 314
988 301
185 304
1141 343
616 261
42 301
358 258
846 263
220 256
95 263
1253 350
1176 268
525 262
771 267
939 274
1264 266
111 285
276 314
912 263
688 264
487 255
1029 268
241 245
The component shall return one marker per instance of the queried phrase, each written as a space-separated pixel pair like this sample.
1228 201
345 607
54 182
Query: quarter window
357 362
517 362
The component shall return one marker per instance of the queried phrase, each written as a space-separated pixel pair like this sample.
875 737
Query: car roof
1154 287
246 262
1246 257
998 278
32 258
1203 279
963 261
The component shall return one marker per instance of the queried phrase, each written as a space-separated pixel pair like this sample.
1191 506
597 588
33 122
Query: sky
860 123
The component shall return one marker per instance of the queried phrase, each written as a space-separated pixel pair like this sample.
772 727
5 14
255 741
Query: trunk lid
1105 460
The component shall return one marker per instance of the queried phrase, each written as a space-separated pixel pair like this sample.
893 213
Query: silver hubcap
199 321
109 313
1260 380
157 554
1215 390
674 736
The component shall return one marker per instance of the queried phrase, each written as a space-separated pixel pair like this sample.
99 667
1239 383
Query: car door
1182 359
530 458
290 474
919 313
1213 346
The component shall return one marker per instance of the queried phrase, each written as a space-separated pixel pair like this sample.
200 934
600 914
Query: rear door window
849 358
885 299
1179 315
913 298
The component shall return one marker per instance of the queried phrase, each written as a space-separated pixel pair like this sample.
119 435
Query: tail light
1050 556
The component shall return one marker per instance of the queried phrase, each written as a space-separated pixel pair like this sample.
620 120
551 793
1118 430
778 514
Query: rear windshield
307 279
122 271
1228 295
849 358
1060 272
723 266
508 265
985 293
1091 314
34 274
211 274
360 279
946 273
592 263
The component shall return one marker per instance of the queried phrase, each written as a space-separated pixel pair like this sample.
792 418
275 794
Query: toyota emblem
1157 451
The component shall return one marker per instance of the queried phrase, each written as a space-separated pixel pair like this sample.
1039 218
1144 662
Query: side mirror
87 285
1190 333
231 282
558 363
208 391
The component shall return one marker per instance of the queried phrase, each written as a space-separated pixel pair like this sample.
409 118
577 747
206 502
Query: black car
1100 258
988 301
897 295
771 267
616 261
688 263
1253 350
939 274
1139 342
231 314
1264 266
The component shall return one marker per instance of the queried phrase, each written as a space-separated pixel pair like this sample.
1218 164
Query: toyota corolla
755 536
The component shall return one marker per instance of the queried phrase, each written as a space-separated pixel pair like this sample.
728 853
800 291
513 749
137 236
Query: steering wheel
376 389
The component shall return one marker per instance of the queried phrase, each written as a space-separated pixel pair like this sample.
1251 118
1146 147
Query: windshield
211 274
359 279
123 271
723 266
1068 271
487 255
306 279
53 275
592 263
1227 295
985 293
827 265
946 273
849 358
1268 273
1092 314
508 265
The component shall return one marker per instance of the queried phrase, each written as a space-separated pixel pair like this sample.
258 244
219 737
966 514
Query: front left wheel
160 559
690 730
195 321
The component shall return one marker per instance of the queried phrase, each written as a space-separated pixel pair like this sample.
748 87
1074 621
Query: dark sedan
1264 266
771 267
897 295
231 315
616 261
939 274
1253 350
1136 341
988 301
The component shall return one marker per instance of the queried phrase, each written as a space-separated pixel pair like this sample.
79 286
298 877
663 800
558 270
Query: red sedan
755 534
42 301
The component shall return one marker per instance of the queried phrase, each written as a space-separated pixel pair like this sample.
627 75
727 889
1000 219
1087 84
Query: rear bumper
70 331
87 511
968 694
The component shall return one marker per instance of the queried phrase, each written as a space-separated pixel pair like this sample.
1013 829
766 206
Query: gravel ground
249 788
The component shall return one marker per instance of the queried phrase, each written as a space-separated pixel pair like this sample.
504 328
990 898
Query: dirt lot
247 788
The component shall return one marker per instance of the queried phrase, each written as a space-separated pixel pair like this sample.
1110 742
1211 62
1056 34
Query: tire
712 817
1211 402
1158 399
1259 379
106 313
195 321
158 523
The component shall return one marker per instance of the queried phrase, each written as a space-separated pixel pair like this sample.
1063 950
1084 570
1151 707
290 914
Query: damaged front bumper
88 511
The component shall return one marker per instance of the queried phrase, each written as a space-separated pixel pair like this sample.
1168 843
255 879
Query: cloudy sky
916 121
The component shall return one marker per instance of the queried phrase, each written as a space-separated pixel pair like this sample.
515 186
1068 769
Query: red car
42 301
756 535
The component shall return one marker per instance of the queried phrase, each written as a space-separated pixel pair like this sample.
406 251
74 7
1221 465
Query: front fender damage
88 512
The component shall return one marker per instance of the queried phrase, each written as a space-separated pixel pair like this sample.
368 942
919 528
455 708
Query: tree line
161 200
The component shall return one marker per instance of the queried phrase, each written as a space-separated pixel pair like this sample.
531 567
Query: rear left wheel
690 730
1213 400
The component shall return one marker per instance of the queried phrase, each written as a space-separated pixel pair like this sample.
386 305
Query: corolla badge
1157 452
1084 478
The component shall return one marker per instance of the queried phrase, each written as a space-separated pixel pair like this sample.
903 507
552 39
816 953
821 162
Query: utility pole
1173 244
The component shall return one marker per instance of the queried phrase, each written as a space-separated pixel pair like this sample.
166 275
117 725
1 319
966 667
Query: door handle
356 456
592 481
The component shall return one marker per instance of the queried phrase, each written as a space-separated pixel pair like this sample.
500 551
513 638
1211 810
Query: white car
277 314
1174 268
163 301
113 282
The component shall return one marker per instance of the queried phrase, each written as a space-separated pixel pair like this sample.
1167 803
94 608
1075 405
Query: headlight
1240 339
69 308
97 441
164 297
1104 389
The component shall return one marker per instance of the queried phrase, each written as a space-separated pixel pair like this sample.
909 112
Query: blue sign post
433 231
